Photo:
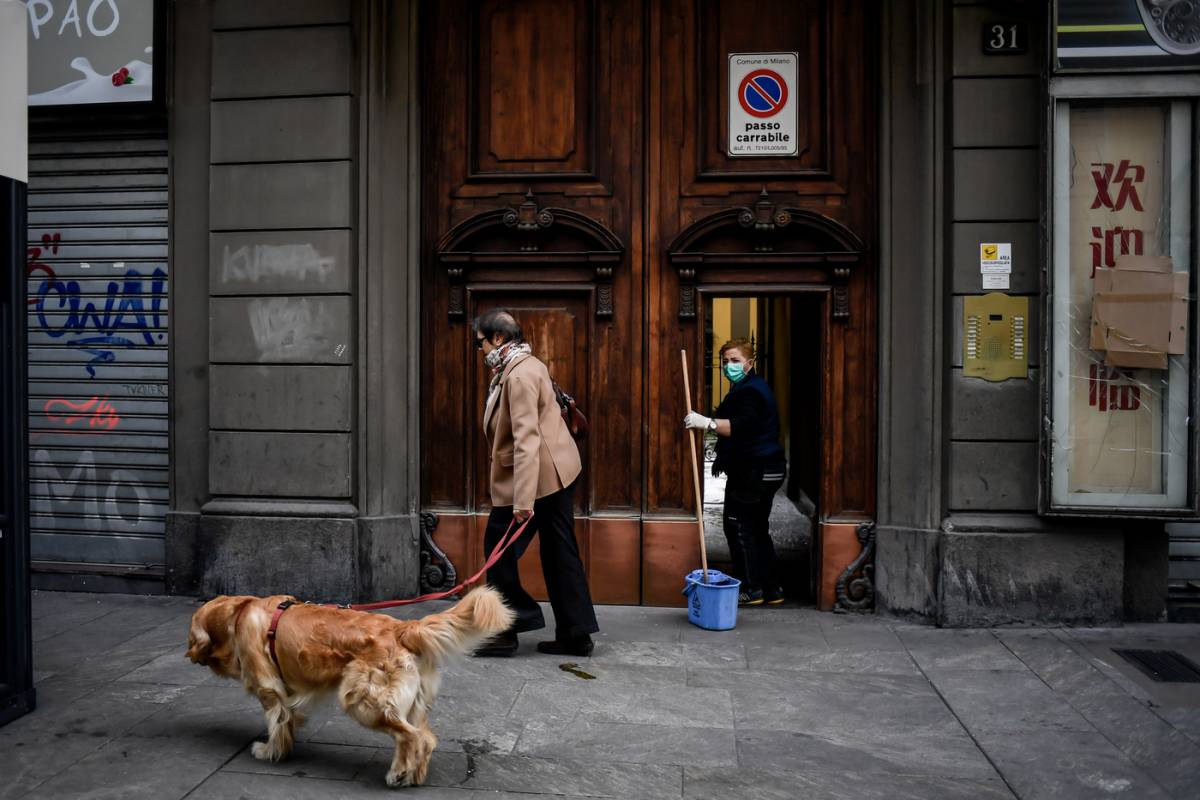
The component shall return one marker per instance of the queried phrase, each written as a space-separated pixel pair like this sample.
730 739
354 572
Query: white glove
698 421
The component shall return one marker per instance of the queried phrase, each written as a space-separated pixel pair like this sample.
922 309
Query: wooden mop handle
687 396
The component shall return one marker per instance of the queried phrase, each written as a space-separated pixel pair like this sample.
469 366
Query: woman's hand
697 421
522 514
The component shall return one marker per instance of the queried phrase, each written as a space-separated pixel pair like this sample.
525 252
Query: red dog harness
505 542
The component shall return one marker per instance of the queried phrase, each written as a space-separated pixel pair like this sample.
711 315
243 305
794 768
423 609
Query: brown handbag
574 419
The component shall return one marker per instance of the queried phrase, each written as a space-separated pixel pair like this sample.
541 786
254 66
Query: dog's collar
282 607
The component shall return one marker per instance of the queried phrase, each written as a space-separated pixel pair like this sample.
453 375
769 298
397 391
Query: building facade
894 199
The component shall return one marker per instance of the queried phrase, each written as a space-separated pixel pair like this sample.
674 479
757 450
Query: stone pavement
791 704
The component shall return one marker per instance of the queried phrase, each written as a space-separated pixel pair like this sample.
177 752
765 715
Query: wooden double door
575 171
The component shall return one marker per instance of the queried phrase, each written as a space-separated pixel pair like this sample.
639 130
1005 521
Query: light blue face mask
735 371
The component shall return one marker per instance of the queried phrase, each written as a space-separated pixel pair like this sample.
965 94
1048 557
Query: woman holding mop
749 453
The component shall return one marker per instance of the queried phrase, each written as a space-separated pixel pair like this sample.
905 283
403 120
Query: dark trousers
749 494
566 583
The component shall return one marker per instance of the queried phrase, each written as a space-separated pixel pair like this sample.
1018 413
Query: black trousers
566 583
749 494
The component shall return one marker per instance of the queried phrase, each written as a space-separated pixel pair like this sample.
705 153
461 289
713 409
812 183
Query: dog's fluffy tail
460 629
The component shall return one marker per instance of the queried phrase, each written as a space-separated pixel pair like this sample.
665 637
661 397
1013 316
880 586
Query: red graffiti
96 412
1118 176
1106 393
32 265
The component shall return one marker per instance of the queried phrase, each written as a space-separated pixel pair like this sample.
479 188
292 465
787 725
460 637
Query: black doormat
1165 666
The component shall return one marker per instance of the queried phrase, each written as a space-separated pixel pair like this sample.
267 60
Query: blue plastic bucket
713 605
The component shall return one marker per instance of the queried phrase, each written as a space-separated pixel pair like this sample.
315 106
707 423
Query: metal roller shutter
97 277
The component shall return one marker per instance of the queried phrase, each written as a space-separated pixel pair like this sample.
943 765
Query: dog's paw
394 779
263 752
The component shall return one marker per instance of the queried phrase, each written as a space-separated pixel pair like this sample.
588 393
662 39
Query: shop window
1121 386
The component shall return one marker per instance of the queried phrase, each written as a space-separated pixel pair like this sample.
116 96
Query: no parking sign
762 105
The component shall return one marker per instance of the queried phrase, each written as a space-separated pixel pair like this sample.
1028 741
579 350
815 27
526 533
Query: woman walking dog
534 464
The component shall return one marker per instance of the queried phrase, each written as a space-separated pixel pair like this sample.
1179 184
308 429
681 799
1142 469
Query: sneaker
581 646
503 646
775 597
754 598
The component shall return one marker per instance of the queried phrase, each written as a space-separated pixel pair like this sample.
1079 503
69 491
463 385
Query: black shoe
751 598
503 646
575 646
774 597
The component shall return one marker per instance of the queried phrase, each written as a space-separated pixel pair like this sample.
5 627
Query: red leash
505 542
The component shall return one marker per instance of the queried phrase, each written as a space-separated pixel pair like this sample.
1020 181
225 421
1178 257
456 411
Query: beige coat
531 451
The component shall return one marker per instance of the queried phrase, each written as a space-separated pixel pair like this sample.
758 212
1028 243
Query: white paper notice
995 280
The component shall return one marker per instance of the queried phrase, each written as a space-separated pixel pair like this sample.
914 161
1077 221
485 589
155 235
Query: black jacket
753 416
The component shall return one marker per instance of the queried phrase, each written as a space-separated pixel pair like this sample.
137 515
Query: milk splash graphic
97 88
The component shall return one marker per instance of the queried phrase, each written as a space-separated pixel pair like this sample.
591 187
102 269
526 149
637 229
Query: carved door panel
575 169
758 225
558 323
532 200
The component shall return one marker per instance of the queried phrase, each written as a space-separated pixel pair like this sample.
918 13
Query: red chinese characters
1116 188
1111 390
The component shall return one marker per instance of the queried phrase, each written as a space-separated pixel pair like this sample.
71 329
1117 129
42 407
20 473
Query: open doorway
785 331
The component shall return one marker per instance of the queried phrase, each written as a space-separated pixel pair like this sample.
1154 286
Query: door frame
16 658
708 292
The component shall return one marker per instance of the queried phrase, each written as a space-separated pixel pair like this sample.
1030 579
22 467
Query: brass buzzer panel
995 337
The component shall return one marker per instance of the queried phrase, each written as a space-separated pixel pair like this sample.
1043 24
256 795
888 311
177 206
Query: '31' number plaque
1005 38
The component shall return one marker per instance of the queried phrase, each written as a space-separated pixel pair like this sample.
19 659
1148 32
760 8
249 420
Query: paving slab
831 659
312 760
223 717
828 704
591 776
1148 740
581 739
600 701
68 616
1005 701
132 768
226 785
934 648
172 667
1185 719
891 753
867 632
718 784
1067 765
38 746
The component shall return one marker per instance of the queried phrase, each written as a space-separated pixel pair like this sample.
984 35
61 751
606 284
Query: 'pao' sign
762 104
90 51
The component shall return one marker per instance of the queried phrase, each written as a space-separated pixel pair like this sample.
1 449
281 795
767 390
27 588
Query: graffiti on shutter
97 319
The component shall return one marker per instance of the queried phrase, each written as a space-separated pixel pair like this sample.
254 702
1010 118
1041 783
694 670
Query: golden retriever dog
385 671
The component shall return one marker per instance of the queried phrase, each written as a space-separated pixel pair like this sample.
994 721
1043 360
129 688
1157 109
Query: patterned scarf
501 357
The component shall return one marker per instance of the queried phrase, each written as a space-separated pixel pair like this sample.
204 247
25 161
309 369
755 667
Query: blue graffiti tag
97 332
